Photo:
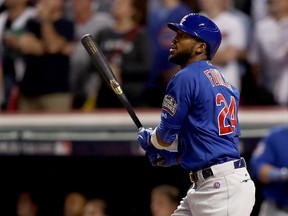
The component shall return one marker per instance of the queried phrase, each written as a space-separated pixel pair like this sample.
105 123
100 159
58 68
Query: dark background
125 182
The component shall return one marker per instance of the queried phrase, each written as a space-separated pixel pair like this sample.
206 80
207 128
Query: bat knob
86 35
141 128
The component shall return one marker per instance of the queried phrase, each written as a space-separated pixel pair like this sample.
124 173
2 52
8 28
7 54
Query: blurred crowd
44 66
162 201
73 204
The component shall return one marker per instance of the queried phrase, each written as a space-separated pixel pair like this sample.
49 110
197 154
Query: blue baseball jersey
272 149
200 109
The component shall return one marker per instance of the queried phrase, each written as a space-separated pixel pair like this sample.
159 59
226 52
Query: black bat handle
101 65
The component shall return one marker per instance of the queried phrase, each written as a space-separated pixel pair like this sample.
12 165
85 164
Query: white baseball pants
229 192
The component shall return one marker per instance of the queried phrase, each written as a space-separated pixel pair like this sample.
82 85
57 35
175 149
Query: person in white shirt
12 25
234 38
269 52
84 81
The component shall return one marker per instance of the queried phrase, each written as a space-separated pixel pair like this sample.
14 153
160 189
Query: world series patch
169 104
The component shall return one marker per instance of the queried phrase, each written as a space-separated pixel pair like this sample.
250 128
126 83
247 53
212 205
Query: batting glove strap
154 140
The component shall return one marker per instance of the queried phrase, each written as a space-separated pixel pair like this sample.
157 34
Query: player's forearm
269 173
160 143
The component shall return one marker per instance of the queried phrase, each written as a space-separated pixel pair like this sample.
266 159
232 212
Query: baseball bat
101 64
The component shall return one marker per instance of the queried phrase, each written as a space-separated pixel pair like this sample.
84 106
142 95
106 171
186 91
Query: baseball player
200 113
269 165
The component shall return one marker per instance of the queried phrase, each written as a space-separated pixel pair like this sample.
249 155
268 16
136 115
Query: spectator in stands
126 46
234 38
2 6
258 9
83 80
96 207
26 205
74 203
12 24
269 165
103 5
245 74
269 55
1 83
243 5
47 45
164 200
160 36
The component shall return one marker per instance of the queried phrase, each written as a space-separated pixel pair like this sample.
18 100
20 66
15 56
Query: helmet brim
174 26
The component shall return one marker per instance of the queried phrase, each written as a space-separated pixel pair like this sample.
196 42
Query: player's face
184 49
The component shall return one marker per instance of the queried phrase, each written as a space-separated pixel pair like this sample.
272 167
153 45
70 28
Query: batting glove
162 158
144 137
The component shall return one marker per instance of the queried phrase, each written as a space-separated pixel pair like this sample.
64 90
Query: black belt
206 173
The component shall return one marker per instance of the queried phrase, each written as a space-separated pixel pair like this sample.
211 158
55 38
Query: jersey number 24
227 117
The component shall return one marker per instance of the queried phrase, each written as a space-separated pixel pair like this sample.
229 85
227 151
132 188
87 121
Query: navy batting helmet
201 27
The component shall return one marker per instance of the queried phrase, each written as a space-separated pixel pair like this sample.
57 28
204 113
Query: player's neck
192 60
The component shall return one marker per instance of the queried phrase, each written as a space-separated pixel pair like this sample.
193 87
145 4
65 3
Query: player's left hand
144 136
162 158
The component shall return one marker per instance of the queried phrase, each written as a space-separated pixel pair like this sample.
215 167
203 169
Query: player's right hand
144 137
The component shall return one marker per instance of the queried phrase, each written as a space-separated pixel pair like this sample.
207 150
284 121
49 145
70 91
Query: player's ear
201 48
